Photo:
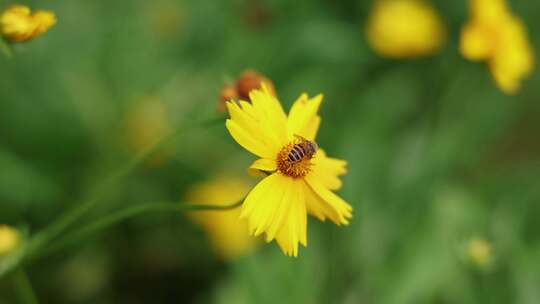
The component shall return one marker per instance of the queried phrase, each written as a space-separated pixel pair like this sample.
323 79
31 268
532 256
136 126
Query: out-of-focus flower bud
251 80
248 81
17 23
228 92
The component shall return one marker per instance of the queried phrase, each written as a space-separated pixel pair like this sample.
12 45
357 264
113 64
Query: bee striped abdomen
296 154
294 159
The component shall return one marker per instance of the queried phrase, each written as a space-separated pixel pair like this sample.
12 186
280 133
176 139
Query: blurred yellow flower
145 123
227 233
498 37
18 24
9 240
479 252
301 177
404 29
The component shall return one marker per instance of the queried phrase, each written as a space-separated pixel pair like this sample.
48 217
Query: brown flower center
294 159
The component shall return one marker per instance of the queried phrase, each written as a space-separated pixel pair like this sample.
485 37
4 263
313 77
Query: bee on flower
300 180
19 24
494 35
227 233
404 29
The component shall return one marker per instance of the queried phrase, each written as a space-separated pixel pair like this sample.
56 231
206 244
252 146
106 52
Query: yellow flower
496 36
9 240
404 29
480 252
18 24
228 234
296 185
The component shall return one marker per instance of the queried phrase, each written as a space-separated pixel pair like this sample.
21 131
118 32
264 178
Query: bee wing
300 137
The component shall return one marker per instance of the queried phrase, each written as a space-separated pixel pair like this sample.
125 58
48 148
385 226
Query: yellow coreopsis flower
18 24
227 233
301 177
498 37
9 239
404 29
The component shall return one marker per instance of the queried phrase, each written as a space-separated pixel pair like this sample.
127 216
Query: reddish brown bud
251 80
227 93
240 89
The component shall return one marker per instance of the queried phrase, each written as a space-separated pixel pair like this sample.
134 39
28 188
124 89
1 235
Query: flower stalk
42 239
122 215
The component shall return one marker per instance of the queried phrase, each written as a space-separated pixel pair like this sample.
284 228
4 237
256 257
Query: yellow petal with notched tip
294 227
276 206
303 117
327 170
342 208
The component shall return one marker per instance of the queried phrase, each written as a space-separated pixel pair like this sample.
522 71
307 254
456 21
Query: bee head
312 146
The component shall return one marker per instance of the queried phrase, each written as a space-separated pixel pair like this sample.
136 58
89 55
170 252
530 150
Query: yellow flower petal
342 208
327 170
262 164
494 34
270 115
513 59
18 25
477 42
488 11
276 206
44 20
246 140
260 127
294 227
303 118
247 118
319 208
261 203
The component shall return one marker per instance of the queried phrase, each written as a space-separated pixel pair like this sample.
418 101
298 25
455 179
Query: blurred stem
6 49
64 221
24 289
115 218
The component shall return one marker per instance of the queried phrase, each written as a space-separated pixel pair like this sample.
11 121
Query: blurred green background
437 155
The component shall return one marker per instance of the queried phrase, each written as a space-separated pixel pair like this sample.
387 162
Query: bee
304 149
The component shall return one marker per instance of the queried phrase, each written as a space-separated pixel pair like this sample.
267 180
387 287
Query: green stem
124 214
24 289
64 221
6 49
